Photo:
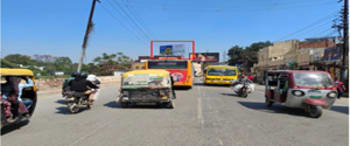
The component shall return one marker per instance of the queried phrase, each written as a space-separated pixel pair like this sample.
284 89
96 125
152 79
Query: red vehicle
180 70
310 90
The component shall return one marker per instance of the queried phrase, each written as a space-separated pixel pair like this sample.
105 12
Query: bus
180 70
220 74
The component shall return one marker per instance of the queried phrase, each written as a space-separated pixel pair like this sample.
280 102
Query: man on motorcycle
93 79
81 84
65 86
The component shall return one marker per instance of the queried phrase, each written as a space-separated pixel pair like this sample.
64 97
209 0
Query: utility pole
86 36
346 37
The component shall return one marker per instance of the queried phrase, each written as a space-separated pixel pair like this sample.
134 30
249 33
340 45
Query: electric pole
346 37
86 36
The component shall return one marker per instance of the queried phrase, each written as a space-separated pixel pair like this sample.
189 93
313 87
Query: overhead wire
138 18
309 26
131 19
117 19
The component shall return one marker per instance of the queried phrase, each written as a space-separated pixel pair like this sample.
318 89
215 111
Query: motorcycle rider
81 84
65 86
93 79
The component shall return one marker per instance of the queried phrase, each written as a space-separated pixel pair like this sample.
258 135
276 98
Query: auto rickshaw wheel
268 102
315 111
170 105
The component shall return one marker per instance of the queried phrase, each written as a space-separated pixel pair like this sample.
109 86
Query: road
204 116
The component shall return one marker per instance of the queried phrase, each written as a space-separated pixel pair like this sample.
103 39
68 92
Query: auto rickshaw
310 90
146 86
29 95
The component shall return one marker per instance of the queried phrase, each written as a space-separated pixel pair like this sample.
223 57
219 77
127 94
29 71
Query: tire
244 93
74 108
315 111
124 104
169 105
268 102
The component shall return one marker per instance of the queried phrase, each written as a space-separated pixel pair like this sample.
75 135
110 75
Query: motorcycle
76 100
243 89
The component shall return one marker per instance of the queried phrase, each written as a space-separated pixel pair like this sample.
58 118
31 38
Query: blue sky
56 27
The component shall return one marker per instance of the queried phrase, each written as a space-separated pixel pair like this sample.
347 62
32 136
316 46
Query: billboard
332 54
166 50
172 50
206 57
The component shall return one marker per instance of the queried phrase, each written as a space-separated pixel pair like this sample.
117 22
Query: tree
246 57
235 55
18 59
108 63
7 64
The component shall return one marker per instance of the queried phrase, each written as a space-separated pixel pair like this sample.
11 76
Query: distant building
59 73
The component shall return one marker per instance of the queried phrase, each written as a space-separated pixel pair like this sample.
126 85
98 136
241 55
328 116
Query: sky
57 27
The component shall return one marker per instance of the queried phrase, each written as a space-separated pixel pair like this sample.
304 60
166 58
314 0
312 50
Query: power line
138 18
308 26
237 8
132 25
132 20
119 21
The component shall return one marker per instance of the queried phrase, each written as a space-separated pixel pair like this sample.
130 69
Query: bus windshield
167 64
313 80
221 72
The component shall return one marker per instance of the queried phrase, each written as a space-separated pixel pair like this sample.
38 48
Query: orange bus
180 70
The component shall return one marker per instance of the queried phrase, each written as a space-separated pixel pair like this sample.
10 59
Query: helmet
75 74
84 75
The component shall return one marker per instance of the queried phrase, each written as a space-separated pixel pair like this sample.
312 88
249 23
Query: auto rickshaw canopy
152 78
15 72
157 72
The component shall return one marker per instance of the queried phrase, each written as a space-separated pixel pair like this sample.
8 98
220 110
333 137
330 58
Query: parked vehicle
146 86
28 97
220 74
310 90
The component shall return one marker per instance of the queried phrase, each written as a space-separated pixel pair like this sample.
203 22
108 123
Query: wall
47 84
279 49
317 44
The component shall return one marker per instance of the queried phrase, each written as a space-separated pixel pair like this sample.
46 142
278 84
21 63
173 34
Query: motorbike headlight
298 93
332 94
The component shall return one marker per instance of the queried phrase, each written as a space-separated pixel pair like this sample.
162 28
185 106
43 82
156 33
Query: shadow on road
259 106
17 126
341 109
65 111
62 110
113 104
61 101
231 94
182 88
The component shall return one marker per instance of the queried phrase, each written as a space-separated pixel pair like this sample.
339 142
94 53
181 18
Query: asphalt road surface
203 116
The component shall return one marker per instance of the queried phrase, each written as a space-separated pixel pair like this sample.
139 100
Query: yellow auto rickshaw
9 90
146 86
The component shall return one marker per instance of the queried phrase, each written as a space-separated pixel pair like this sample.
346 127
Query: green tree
235 54
18 59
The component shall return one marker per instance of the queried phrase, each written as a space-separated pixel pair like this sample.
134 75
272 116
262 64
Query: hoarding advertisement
206 57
